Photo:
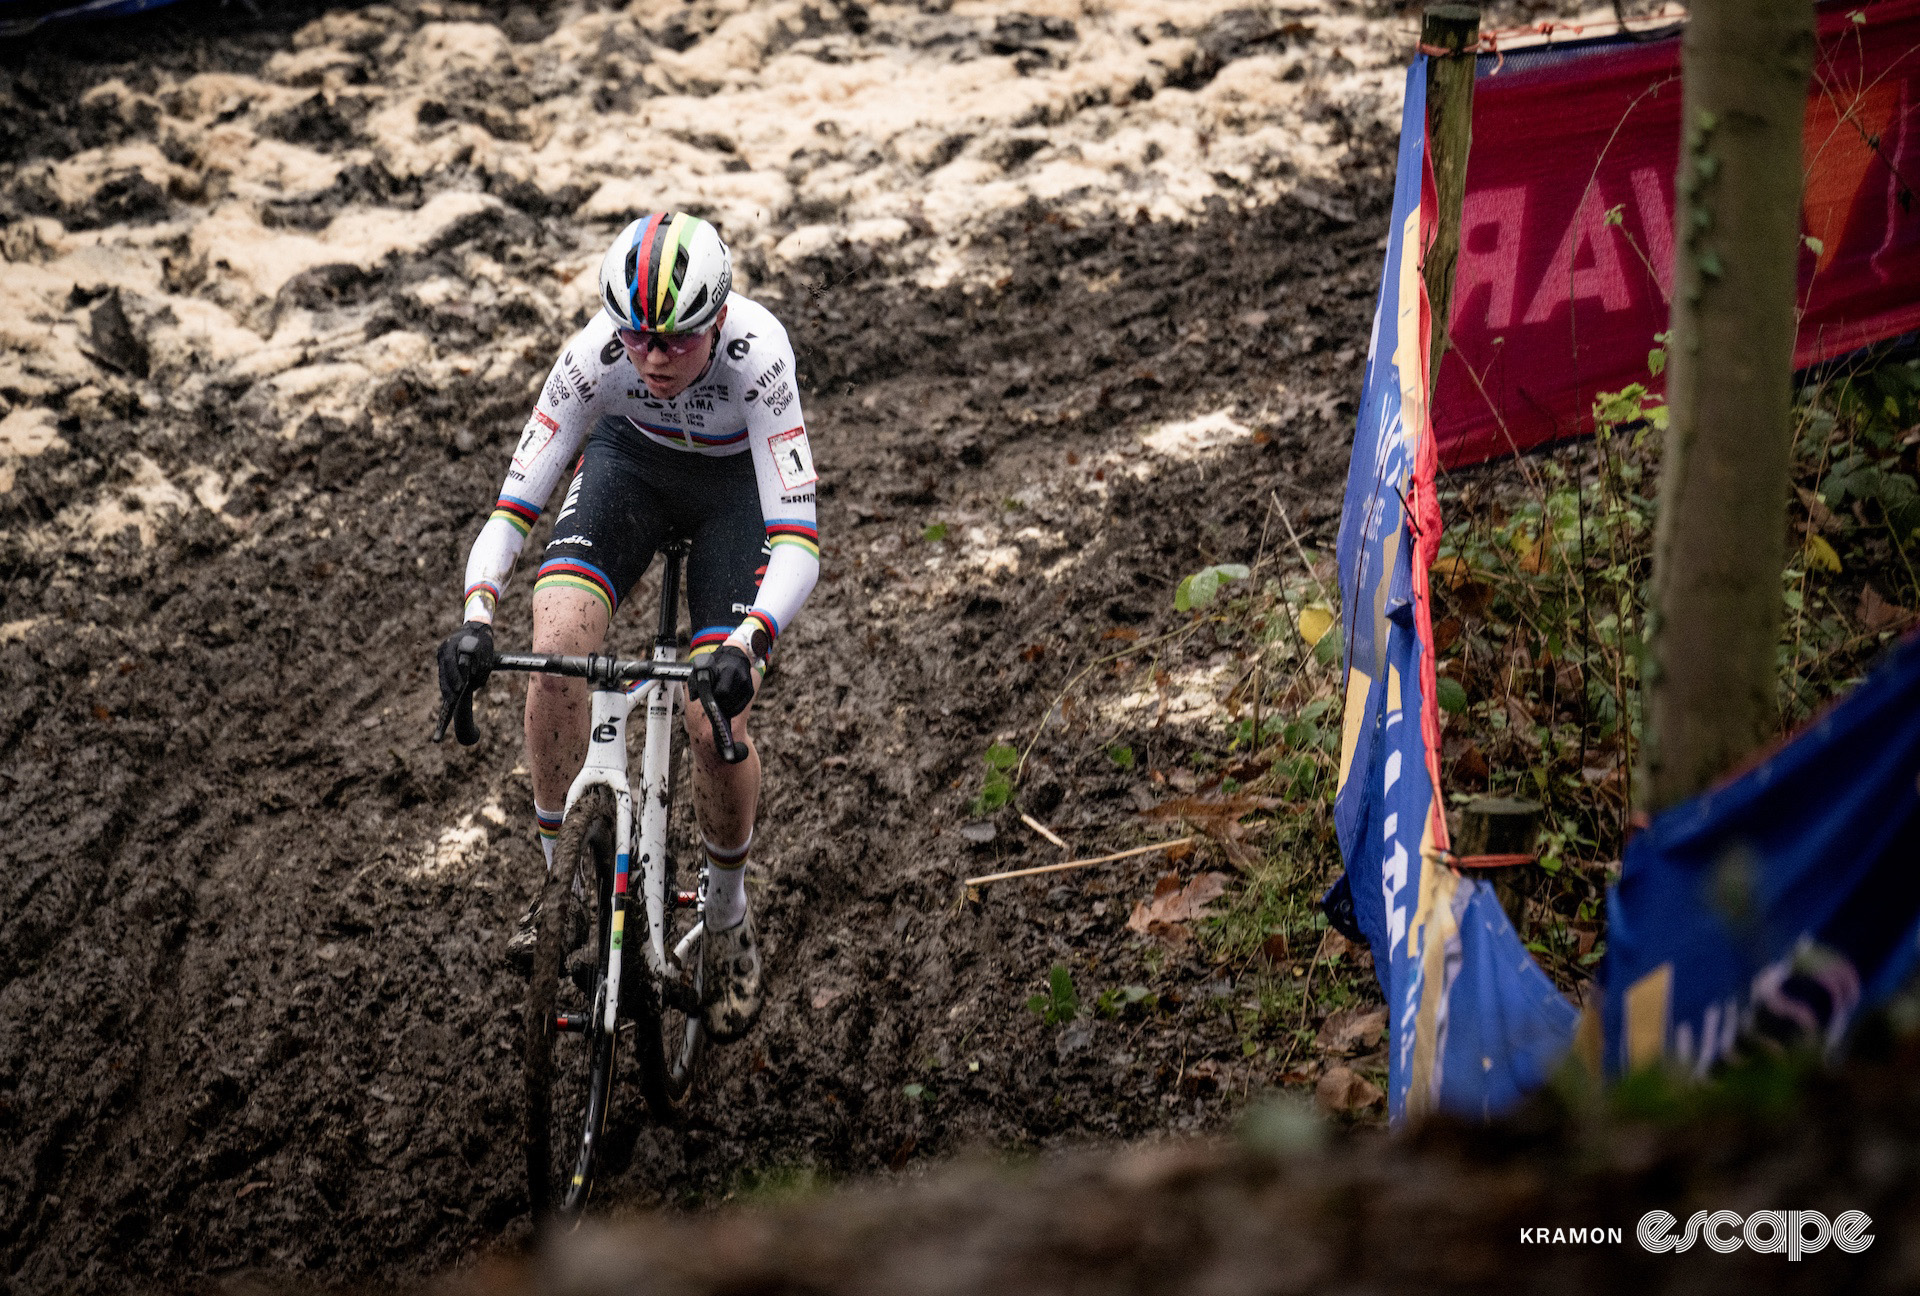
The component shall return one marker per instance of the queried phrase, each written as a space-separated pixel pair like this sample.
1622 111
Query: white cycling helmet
666 273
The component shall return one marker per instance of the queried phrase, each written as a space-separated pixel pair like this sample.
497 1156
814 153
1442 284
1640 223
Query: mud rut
252 1013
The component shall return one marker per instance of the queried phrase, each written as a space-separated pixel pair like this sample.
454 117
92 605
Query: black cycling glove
732 680
466 661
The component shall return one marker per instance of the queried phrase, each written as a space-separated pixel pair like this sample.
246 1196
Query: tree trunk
1719 542
1454 27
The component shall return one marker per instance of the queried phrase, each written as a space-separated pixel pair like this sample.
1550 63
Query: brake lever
460 711
731 753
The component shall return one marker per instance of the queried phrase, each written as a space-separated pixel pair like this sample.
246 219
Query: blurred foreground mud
1287 1209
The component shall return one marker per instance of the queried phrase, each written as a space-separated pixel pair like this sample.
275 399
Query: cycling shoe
730 980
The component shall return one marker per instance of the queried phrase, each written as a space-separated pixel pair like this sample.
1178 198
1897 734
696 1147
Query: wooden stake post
1456 29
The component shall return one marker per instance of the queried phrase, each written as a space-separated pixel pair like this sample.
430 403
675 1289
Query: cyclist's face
668 364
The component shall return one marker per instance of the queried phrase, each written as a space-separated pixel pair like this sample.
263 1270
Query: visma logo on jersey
1792 1233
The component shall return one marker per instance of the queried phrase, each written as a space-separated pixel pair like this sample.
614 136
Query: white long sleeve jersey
746 402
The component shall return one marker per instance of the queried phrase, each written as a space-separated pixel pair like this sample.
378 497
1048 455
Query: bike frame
606 766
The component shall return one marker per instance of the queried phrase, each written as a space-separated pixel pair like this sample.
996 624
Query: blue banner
18 17
1474 1022
1781 903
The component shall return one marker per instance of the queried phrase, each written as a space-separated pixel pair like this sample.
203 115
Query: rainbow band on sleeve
708 640
765 619
791 531
486 590
548 824
574 574
520 514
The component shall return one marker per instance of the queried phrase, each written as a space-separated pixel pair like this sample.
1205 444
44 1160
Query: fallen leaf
1314 624
1033 652
255 1186
1179 851
1470 767
1175 904
1452 571
1274 948
1819 516
1820 553
1122 633
1352 1029
1875 613
1445 634
1341 1090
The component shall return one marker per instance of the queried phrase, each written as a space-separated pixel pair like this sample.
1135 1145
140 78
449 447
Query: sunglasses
674 344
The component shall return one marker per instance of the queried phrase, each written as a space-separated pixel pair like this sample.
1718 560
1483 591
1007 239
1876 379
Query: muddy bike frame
618 687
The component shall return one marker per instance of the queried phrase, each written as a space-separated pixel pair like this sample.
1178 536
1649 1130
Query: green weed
1061 1003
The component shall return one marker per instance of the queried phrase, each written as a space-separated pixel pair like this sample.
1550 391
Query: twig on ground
1043 830
1074 864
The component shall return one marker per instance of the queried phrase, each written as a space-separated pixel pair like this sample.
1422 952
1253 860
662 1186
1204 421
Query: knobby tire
569 1078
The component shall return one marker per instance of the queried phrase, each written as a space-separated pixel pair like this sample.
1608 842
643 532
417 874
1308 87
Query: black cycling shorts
630 496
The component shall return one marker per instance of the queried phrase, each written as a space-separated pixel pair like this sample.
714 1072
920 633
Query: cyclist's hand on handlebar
732 680
466 661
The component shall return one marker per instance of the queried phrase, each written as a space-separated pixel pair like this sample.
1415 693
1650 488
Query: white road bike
585 994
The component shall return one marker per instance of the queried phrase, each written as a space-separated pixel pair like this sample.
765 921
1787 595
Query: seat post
673 552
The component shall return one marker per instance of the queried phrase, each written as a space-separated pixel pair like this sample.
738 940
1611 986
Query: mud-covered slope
277 300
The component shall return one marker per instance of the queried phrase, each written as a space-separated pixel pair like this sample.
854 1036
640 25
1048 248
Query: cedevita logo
1771 1232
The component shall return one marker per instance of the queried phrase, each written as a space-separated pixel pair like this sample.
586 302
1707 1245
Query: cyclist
685 396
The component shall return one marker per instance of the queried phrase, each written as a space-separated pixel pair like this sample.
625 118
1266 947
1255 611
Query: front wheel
568 1052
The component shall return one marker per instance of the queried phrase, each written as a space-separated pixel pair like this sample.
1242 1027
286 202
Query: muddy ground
278 293
1284 1208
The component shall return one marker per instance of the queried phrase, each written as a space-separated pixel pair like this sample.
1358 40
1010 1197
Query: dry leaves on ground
1875 613
1342 1090
1352 1030
1173 904
1219 818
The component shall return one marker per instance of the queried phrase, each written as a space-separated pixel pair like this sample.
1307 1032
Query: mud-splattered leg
724 799
564 621
724 796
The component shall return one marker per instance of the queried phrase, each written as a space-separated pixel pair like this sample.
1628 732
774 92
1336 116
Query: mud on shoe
730 980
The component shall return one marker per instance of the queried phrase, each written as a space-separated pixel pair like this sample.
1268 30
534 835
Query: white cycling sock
549 826
726 885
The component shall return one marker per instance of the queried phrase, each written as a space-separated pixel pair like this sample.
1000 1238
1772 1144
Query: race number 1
792 457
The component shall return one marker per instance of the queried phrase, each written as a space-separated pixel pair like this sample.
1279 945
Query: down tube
656 771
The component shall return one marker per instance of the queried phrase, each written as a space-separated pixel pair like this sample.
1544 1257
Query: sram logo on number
793 458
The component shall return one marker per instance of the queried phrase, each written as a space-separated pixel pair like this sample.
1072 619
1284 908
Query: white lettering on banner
1488 262
1656 222
1393 880
1567 281
1765 1232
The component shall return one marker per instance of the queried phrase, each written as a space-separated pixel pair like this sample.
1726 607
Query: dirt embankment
1289 1210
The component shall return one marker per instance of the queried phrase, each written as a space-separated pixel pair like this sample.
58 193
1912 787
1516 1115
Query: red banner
1566 239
